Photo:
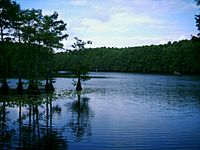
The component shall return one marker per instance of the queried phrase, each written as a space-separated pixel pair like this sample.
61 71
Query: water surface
121 111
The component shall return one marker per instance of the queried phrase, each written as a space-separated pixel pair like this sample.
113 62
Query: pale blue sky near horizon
122 23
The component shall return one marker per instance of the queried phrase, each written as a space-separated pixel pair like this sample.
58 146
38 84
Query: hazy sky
122 23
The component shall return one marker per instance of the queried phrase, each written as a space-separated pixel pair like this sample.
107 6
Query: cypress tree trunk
20 86
78 86
30 85
49 83
4 86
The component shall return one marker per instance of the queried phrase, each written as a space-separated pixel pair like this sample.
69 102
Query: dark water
122 111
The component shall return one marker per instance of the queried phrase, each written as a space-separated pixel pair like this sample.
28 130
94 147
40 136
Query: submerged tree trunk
51 88
30 86
33 87
78 86
4 86
49 83
33 82
20 86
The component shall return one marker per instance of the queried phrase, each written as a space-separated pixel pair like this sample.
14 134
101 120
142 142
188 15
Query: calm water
122 111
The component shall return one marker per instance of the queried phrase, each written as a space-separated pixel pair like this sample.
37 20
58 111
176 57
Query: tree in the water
8 13
41 34
27 42
51 34
31 24
17 25
79 68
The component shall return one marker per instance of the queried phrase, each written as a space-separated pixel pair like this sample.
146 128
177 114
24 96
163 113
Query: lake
114 111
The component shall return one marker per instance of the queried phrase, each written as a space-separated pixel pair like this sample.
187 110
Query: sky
122 23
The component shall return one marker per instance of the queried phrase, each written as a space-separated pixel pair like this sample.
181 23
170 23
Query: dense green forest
183 57
28 40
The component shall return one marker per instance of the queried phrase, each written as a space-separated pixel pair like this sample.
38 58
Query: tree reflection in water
33 122
5 132
81 115
30 132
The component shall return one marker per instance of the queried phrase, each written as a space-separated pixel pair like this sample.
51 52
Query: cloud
135 22
78 2
157 7
123 41
121 23
47 12
62 3
182 37
126 19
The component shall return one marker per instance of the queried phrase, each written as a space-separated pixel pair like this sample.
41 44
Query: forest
28 40
182 57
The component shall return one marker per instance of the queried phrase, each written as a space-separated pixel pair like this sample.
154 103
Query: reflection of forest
27 131
33 125
80 122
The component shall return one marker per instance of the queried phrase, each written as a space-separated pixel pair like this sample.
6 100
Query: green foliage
28 39
183 57
78 66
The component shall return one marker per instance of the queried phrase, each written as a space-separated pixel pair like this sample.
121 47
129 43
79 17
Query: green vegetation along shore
181 57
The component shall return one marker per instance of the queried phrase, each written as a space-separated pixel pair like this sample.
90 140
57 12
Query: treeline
29 61
182 57
28 39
